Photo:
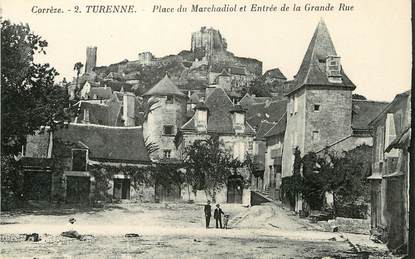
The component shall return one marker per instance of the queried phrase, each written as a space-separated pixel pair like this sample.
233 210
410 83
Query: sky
373 40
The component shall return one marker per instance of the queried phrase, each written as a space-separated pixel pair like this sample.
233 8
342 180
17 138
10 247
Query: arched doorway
235 189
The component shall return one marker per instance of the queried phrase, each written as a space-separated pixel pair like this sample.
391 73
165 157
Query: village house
219 116
57 165
321 112
166 114
390 171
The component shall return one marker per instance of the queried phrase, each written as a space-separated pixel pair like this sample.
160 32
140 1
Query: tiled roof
117 85
363 112
278 128
100 92
220 118
164 87
313 68
275 73
108 144
270 111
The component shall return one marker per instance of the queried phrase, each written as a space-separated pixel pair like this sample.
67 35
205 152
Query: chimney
201 116
91 59
129 109
238 119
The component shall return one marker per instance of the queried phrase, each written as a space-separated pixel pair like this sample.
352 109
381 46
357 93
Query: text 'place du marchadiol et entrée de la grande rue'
196 8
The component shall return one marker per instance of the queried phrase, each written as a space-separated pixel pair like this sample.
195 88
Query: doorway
235 189
121 188
77 189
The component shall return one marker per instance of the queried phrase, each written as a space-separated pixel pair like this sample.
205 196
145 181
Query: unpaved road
170 231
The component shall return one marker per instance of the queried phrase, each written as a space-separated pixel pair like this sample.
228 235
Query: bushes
344 176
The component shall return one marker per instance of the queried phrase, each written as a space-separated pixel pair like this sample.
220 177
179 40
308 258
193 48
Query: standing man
208 213
217 215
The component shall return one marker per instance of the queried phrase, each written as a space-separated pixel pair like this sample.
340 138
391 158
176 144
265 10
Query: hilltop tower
319 110
166 116
91 59
208 40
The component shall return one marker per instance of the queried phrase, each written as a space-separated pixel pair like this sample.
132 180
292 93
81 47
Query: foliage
259 88
208 165
29 97
103 174
11 183
343 175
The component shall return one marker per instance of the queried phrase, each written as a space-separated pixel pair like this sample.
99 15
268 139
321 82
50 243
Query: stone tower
319 109
207 39
166 116
91 59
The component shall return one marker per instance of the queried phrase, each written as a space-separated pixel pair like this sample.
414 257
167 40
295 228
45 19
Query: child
225 221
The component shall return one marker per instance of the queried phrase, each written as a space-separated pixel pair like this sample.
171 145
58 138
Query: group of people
217 215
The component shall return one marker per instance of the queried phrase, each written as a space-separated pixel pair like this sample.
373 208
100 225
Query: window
169 99
250 145
168 130
316 107
167 153
78 160
295 104
316 135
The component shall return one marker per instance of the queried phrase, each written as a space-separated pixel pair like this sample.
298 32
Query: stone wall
294 133
165 114
332 121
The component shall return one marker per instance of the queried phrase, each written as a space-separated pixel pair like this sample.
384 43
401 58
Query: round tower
166 113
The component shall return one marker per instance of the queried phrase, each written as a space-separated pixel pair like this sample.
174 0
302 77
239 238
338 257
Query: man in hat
217 215
208 213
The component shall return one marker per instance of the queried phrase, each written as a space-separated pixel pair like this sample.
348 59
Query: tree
208 165
29 97
342 175
77 67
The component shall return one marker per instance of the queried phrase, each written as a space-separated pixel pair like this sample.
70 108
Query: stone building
219 116
165 117
390 171
320 111
91 59
57 165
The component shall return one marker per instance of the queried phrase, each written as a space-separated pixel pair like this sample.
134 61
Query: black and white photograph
206 129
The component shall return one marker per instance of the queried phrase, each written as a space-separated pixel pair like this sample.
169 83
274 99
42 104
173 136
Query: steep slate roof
278 128
363 112
393 105
164 87
274 73
102 114
270 111
106 144
263 127
313 68
220 117
101 92
248 99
